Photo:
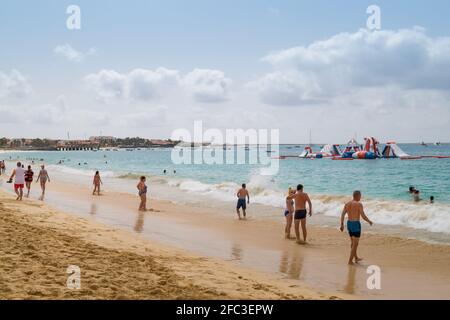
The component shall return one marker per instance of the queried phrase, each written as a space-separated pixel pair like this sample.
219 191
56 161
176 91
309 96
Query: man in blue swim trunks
355 211
242 194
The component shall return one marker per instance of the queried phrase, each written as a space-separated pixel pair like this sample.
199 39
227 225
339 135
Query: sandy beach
183 251
39 243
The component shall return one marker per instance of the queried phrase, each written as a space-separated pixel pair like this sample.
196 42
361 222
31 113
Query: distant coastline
93 143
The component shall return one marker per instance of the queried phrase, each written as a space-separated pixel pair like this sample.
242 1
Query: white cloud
147 84
14 85
207 85
407 59
107 84
202 85
71 54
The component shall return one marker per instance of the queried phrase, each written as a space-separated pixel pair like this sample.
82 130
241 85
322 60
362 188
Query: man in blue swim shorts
242 194
355 211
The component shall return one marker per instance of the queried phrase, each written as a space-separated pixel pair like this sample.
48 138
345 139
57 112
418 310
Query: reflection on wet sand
351 276
93 209
291 264
236 252
139 225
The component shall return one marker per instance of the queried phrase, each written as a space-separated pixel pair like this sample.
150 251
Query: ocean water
383 182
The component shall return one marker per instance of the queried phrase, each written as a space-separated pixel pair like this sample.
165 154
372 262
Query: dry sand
39 243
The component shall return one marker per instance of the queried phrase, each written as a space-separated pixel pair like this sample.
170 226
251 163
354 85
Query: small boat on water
424 144
437 143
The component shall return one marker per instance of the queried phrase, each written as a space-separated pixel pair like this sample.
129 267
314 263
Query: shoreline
257 245
421 221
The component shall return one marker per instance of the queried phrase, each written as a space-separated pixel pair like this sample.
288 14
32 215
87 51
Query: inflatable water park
370 150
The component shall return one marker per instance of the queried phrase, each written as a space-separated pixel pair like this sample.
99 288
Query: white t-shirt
20 176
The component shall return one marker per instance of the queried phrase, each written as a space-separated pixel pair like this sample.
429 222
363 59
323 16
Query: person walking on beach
242 194
2 167
28 179
142 187
301 199
96 182
288 213
19 181
43 177
355 211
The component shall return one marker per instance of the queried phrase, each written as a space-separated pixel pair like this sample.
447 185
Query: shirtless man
300 198
242 194
354 209
43 178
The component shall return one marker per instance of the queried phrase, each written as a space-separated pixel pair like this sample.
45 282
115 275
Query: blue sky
231 37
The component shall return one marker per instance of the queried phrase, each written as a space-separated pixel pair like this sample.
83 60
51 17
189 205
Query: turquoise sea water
381 178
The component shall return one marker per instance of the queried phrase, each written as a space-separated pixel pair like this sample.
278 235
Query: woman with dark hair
142 187
97 182
28 179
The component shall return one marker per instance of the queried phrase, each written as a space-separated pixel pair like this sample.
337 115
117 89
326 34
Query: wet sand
410 269
39 243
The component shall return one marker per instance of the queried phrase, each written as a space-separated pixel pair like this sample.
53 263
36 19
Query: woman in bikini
288 213
43 178
96 182
142 187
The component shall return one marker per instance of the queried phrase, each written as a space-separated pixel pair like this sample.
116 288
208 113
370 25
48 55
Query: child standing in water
354 209
288 213
97 182
142 187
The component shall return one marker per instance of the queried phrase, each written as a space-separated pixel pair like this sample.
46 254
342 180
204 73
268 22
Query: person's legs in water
297 229
43 189
240 204
353 252
28 184
287 230
238 213
16 190
143 205
21 192
303 222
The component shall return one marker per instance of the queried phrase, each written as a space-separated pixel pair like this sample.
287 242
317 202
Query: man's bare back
242 193
354 210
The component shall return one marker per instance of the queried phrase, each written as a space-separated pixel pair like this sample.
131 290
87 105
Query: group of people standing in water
299 206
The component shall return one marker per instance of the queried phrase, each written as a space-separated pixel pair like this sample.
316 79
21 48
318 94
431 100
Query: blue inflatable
347 155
